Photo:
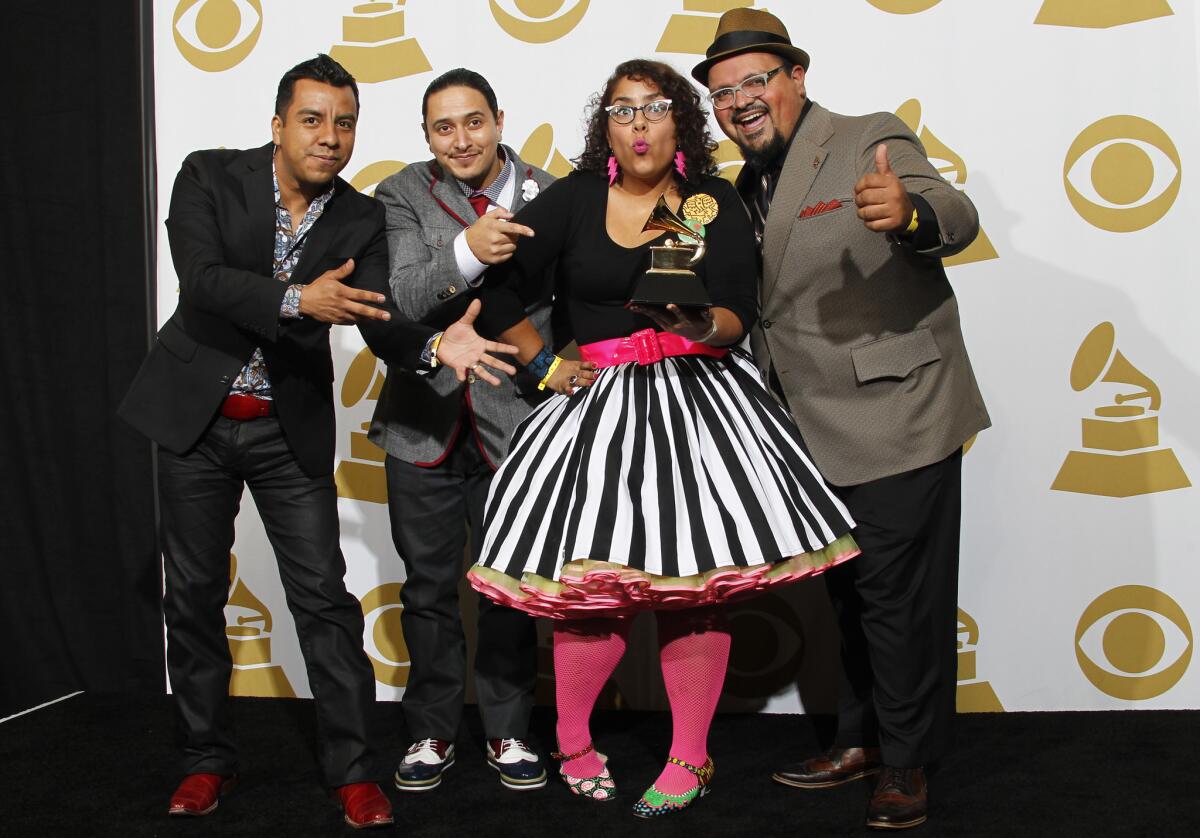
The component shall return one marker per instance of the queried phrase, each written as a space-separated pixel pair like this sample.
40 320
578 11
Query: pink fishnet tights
694 652
585 654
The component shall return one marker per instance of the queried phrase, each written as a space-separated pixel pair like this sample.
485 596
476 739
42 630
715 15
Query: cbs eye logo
1133 642
538 21
1122 174
215 35
767 649
383 635
904 7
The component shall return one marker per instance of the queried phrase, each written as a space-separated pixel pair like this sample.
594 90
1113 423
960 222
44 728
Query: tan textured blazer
863 331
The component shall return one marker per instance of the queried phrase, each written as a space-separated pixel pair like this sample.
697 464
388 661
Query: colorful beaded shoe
601 787
655 802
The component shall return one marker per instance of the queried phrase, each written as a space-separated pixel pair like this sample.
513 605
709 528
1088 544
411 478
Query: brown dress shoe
365 805
198 794
836 766
899 801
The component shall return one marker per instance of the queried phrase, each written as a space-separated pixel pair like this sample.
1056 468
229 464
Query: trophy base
1121 476
664 287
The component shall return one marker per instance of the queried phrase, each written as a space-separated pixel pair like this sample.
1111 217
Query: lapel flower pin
529 189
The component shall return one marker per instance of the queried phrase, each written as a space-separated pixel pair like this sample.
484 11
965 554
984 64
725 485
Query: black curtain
80 587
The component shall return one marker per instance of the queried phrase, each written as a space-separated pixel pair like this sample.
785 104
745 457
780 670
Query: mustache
754 107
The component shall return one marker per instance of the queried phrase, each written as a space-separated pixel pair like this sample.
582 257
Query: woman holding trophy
661 476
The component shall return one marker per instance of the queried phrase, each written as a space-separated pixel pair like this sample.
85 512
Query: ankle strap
703 773
561 757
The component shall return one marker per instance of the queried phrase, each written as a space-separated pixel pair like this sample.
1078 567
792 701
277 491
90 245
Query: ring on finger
572 381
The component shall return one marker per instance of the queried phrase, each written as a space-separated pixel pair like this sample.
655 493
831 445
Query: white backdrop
1070 123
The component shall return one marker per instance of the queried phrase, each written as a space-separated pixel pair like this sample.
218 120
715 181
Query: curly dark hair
691 120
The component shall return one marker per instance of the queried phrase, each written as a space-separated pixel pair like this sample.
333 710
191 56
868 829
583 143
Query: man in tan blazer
860 337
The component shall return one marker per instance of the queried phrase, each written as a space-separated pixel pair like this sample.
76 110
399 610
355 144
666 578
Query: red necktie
480 203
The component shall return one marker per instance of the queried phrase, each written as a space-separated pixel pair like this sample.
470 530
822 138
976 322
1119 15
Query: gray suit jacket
418 415
863 331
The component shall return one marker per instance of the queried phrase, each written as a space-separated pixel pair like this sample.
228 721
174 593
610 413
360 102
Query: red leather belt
645 347
243 407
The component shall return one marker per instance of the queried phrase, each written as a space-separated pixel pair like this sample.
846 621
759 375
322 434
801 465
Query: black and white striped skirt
669 485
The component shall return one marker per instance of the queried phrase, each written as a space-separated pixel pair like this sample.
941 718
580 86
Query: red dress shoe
365 805
198 794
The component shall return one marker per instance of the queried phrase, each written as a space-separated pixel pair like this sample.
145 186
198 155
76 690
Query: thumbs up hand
883 202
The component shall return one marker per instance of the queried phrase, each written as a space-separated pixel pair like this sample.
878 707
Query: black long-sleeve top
595 275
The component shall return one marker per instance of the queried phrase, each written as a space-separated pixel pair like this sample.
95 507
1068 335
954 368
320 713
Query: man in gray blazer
859 335
447 220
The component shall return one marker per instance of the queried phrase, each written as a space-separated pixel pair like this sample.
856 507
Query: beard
765 156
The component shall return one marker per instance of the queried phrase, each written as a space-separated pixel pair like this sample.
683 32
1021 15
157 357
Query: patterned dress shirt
289 245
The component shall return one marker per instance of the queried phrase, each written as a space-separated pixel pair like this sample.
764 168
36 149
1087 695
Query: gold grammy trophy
973 696
374 47
670 278
1123 456
248 632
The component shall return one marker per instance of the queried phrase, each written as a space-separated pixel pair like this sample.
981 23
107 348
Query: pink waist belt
645 347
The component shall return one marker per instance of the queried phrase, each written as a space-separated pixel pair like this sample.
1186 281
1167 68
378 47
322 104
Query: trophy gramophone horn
662 218
1097 360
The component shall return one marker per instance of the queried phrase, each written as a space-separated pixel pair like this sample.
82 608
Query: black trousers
200 493
431 508
897 606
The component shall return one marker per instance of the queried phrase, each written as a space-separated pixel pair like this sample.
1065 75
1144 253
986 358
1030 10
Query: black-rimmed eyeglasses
752 88
655 111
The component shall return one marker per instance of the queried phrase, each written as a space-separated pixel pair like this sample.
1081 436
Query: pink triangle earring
681 164
613 170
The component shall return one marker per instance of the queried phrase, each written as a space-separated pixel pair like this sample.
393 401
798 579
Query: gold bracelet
912 225
553 366
433 358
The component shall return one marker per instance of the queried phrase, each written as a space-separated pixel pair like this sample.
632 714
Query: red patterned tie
480 203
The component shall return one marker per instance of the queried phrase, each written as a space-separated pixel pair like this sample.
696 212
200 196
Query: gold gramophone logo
1133 642
694 30
384 634
374 46
538 21
248 631
539 150
1121 455
1122 173
362 477
215 35
904 7
951 167
371 176
1100 14
974 695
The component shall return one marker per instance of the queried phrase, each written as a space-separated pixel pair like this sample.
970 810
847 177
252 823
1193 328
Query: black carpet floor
104 765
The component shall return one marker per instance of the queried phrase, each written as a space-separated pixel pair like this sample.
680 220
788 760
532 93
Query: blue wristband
540 365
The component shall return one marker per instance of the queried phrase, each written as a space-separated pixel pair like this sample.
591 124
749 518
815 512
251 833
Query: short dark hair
323 69
460 77
691 120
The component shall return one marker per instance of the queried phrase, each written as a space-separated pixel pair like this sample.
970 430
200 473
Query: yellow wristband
553 366
912 225
433 358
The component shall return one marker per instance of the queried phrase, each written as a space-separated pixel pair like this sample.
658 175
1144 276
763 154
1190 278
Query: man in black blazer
271 247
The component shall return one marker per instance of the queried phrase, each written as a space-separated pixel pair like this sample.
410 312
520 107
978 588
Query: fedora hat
748 30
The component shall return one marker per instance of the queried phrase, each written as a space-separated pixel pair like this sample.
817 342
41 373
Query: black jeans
431 510
200 493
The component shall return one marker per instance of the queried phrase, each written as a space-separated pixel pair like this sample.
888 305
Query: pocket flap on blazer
894 357
176 341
